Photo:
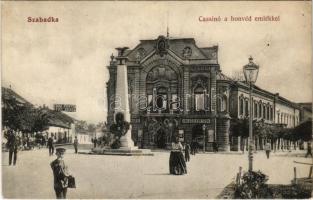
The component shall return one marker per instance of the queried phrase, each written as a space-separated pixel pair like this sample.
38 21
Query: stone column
122 105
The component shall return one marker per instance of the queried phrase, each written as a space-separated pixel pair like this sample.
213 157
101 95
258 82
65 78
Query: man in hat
60 173
13 144
50 146
75 144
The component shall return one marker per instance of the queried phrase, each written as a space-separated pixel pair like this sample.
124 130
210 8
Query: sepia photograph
156 100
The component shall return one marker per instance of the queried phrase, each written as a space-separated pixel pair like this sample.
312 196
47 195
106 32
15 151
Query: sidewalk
296 153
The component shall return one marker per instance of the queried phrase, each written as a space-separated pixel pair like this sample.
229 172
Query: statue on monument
119 129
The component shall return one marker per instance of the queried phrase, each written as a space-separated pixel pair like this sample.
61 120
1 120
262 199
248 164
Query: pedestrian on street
95 142
50 146
75 144
267 149
60 174
177 162
193 147
187 152
13 144
309 150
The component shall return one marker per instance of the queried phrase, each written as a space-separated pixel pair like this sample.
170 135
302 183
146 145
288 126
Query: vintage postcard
156 99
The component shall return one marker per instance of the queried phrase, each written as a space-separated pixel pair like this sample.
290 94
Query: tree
91 128
240 127
303 131
40 120
81 126
23 117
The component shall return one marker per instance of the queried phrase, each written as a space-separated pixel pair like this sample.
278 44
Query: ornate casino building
176 87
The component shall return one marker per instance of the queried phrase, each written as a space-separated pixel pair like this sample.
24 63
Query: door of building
160 139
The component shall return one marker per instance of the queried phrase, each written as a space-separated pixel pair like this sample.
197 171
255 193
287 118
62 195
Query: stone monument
122 94
122 128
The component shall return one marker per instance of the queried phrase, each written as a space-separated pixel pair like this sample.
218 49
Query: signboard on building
196 121
65 107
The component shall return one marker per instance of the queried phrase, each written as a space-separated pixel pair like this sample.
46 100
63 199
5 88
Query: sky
65 62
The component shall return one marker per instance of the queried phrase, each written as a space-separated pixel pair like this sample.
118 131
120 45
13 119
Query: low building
60 126
84 137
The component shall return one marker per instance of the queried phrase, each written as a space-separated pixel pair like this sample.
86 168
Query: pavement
100 176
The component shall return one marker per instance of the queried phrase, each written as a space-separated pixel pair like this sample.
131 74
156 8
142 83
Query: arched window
264 112
199 93
278 118
224 103
174 103
161 88
241 106
260 109
255 109
268 112
161 98
221 103
246 108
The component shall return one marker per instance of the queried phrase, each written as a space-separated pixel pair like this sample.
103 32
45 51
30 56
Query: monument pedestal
127 148
123 151
127 142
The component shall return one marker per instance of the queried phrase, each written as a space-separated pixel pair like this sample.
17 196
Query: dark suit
50 146
187 155
76 145
13 144
60 174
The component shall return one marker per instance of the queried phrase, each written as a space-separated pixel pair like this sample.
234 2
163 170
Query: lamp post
250 71
204 127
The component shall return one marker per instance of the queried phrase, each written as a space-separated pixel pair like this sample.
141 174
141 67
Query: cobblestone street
100 176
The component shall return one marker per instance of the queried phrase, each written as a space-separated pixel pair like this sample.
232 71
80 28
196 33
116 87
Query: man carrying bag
62 178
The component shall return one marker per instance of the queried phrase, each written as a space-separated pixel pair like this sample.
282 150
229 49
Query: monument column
122 101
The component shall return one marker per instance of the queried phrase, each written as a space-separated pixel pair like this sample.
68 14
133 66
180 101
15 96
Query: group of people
178 159
179 156
51 144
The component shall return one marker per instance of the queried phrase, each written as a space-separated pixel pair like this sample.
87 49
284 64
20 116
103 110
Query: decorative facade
176 88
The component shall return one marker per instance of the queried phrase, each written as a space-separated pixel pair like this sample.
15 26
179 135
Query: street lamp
250 71
204 127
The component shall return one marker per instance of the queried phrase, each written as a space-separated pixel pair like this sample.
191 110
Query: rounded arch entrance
160 138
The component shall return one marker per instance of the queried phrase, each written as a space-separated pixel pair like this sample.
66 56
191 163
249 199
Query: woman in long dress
177 160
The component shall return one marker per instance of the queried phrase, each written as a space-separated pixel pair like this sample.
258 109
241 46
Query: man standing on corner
95 142
75 144
50 146
13 144
187 152
60 173
268 150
